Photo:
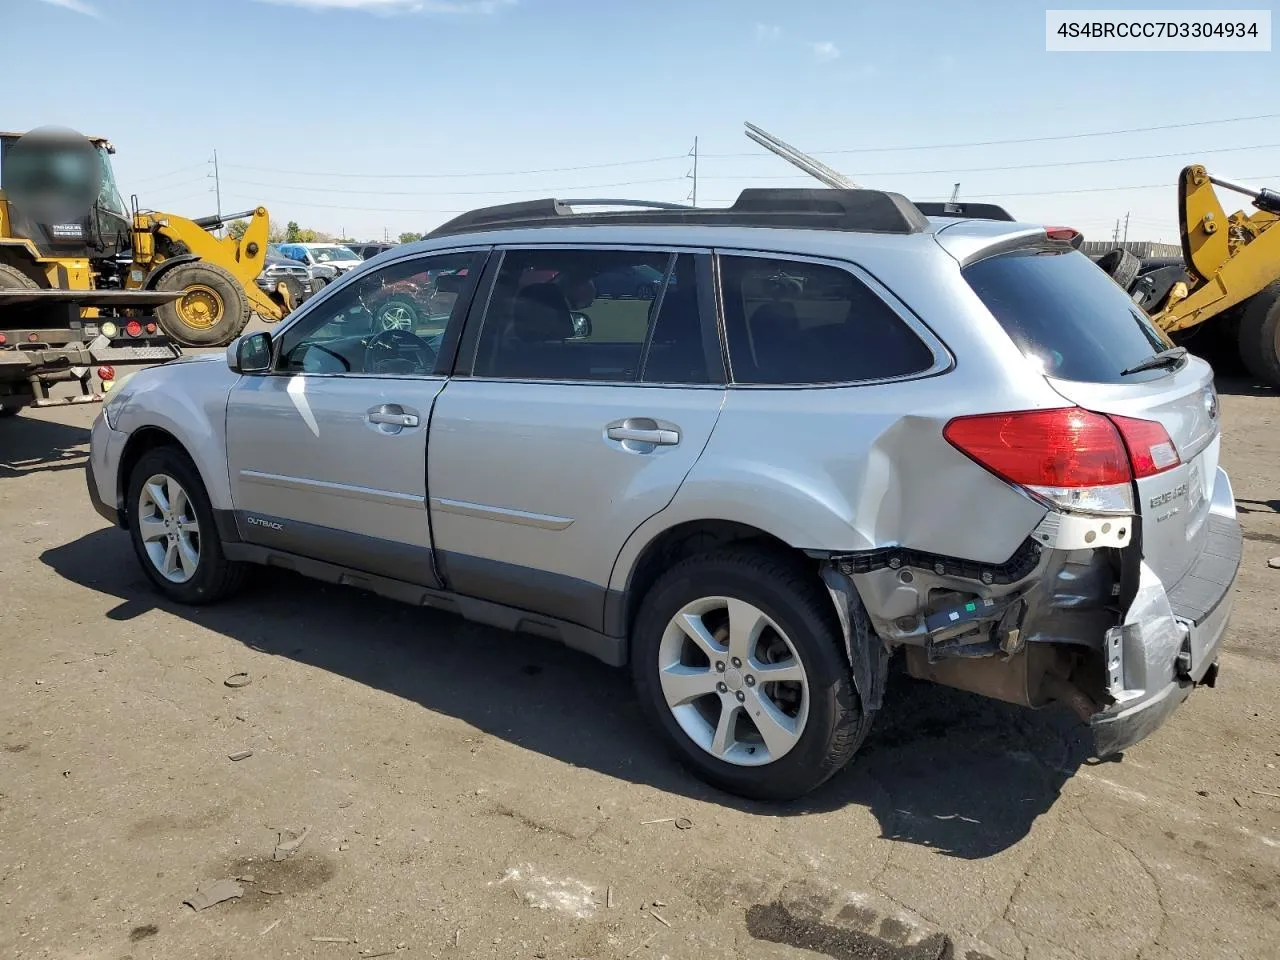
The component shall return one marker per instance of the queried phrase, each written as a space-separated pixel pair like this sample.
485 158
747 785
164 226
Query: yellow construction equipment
114 248
1231 272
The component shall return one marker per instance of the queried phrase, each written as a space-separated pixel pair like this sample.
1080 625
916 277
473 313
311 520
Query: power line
457 193
162 176
454 176
998 143
1023 166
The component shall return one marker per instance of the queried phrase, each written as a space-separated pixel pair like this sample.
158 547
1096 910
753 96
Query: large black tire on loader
1121 266
1260 335
11 278
212 310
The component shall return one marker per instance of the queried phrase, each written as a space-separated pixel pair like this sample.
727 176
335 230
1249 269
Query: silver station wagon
753 454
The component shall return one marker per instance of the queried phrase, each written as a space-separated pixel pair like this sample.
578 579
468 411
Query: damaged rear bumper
1169 642
1049 625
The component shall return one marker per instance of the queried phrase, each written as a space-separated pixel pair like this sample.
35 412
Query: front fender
193 412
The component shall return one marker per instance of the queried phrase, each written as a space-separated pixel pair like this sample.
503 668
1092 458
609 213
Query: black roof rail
863 211
966 211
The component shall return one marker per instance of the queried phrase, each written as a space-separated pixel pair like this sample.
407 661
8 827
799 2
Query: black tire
318 284
795 599
401 302
11 278
1121 266
215 577
1260 335
203 284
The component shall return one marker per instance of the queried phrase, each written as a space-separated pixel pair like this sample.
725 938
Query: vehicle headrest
541 313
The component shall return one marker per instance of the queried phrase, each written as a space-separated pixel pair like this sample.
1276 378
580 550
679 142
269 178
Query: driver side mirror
250 353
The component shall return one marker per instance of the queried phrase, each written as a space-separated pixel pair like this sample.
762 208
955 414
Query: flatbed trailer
68 336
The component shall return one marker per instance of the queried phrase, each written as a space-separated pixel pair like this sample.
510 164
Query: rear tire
1260 335
212 311
821 713
167 503
11 278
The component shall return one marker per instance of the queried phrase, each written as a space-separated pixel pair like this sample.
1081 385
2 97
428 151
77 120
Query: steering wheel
398 351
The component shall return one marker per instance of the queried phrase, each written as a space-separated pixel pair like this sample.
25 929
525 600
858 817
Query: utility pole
217 189
693 196
955 195
1125 243
1115 234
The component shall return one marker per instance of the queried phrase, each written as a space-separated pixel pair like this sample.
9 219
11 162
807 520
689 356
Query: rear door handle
642 430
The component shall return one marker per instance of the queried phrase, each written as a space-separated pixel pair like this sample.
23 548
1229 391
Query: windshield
1065 313
109 199
329 254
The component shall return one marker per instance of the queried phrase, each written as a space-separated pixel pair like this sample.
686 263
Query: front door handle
394 419
662 437
391 418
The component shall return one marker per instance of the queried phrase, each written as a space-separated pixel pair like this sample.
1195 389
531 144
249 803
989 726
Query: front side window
792 322
609 315
390 322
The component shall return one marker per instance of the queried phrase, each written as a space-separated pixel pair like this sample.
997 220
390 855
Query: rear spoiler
964 211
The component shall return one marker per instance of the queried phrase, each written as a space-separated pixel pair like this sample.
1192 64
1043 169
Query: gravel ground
473 794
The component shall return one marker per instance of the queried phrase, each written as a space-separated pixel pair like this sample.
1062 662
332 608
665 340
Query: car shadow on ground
941 768
31 444
1236 385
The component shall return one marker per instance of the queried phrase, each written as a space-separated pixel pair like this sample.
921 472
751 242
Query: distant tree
293 233
237 228
275 233
410 236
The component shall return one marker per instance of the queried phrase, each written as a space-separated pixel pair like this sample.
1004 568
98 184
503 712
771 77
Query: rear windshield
1062 310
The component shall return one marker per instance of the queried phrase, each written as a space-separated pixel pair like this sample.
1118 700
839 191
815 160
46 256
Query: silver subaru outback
754 454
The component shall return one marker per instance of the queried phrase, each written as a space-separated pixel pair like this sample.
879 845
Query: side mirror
250 353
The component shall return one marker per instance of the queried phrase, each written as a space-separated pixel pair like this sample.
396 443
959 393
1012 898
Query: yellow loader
1230 273
211 280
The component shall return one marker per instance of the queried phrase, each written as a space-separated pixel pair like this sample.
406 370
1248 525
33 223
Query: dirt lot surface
475 794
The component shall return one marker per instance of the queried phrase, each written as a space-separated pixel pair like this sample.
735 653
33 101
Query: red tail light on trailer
133 328
106 373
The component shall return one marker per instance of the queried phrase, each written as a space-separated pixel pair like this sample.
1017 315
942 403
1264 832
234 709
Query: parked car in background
849 432
367 251
334 255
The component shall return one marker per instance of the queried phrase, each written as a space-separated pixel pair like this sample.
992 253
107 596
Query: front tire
174 534
212 310
738 657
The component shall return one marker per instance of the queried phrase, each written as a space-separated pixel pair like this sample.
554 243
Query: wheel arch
640 564
146 439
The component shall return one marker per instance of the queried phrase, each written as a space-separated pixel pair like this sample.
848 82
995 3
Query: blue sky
373 115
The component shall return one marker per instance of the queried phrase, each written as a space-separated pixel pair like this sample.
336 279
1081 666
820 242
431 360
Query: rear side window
791 322
1062 310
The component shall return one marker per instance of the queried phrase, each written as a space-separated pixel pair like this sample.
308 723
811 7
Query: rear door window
1065 313
794 322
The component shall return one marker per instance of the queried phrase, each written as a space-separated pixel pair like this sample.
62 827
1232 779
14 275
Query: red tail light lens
1066 447
133 328
151 328
1150 449
106 373
3 339
1062 233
